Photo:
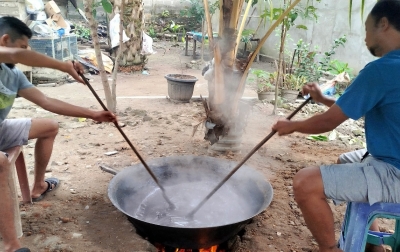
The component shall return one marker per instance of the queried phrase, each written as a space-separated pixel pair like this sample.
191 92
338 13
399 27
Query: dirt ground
78 216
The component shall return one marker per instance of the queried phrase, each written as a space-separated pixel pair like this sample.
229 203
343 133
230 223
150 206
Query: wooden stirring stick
258 146
172 206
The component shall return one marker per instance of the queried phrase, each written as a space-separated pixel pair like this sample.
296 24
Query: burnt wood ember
229 246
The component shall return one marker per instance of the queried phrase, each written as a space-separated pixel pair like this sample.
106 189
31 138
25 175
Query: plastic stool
359 217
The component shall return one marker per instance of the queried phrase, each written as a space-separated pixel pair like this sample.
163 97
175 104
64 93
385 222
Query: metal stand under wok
258 146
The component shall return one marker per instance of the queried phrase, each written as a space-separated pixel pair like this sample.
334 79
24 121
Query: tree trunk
133 21
117 58
226 72
111 103
227 76
280 70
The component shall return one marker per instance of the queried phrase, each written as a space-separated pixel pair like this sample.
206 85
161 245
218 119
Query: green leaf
107 6
317 137
302 27
94 13
350 10
362 9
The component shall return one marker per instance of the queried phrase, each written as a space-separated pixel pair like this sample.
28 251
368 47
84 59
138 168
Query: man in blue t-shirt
374 94
14 37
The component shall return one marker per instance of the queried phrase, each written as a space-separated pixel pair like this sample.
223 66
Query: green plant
196 10
306 63
264 81
107 6
165 13
327 55
175 28
307 12
247 35
337 67
82 31
293 82
152 32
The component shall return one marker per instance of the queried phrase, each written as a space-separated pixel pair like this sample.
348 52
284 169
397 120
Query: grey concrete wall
333 22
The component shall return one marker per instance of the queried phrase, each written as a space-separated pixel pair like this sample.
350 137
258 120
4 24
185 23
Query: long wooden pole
256 51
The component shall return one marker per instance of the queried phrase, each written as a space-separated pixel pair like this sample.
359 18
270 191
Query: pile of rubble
46 20
350 132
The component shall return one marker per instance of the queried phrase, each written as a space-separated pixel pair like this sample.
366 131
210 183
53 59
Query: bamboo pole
253 56
242 26
209 25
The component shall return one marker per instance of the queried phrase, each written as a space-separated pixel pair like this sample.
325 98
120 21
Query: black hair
14 27
389 9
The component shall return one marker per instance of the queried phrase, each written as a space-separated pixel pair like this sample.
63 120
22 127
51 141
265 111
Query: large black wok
243 196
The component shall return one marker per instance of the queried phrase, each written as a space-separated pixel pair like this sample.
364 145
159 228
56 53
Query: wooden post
186 44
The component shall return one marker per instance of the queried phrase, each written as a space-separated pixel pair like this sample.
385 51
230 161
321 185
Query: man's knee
53 127
307 182
43 128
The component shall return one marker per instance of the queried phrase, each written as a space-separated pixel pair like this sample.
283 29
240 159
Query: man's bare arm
34 59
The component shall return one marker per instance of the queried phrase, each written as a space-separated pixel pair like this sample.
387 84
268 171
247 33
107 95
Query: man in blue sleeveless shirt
14 37
374 94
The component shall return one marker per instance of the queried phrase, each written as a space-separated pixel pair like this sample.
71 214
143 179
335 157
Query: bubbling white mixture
224 207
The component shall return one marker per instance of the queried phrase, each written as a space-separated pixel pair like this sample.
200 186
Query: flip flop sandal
23 250
52 183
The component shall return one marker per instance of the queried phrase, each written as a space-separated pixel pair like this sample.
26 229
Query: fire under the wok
169 249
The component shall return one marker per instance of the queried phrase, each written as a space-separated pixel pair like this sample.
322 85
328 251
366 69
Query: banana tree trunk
226 77
226 74
133 22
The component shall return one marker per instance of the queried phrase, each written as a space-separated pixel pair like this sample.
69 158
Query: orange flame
212 249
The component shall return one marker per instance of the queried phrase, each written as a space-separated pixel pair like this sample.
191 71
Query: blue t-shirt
11 80
375 94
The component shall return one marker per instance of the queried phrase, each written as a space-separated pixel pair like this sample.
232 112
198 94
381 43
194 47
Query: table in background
197 36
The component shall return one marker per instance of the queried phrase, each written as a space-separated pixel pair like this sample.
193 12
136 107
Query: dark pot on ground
180 87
